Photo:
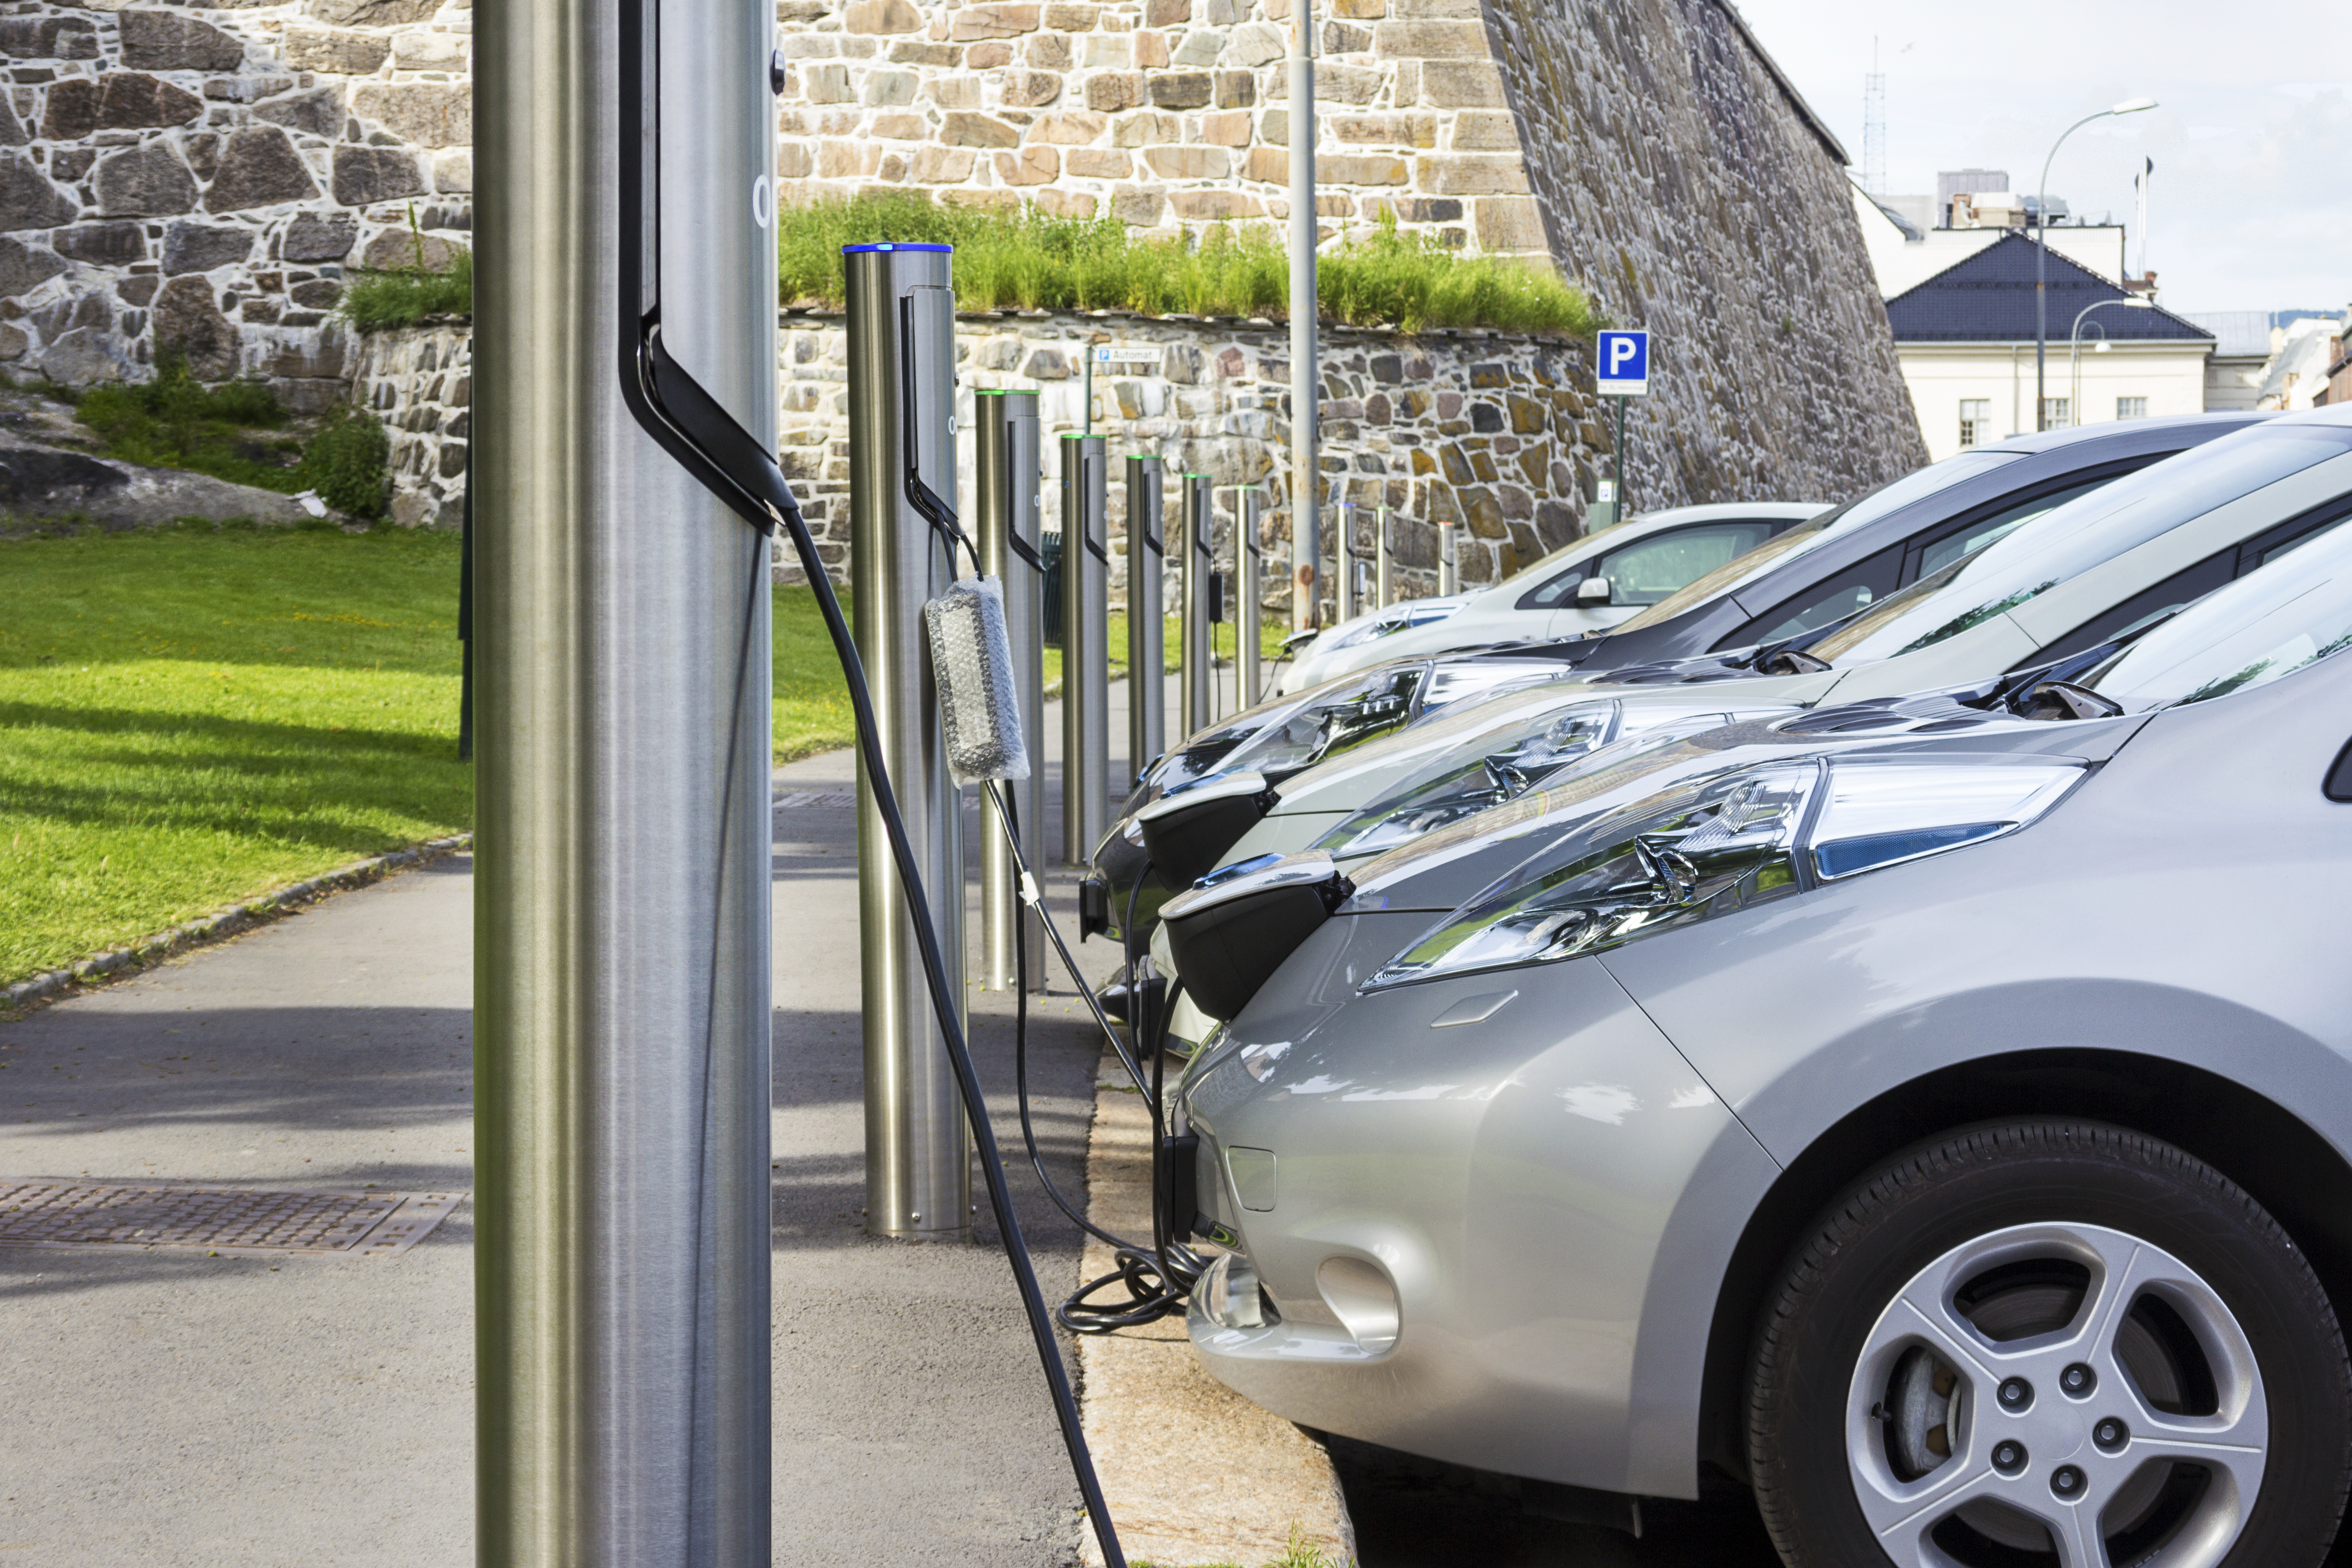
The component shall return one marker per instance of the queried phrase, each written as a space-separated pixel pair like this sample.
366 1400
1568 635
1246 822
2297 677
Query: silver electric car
1942 1122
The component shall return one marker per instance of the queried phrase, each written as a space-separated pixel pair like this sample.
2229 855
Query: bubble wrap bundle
971 663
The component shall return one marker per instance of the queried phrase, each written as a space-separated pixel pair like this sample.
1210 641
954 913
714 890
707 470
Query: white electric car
1588 586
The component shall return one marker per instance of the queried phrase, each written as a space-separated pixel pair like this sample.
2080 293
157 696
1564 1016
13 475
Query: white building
1905 253
1965 334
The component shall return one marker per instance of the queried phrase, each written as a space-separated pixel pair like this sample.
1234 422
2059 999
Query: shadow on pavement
1412 1512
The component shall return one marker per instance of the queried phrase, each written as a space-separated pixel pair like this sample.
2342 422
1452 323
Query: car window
1647 570
2192 584
2269 622
2067 540
1978 532
1835 523
1857 587
1868 580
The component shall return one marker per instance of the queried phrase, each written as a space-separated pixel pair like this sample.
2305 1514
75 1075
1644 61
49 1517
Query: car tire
1912 1381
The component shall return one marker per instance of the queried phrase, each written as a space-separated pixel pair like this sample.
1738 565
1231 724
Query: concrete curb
1193 1472
229 922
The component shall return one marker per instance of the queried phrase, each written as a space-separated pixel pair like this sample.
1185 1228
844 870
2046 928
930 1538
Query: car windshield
2292 613
2067 540
1835 523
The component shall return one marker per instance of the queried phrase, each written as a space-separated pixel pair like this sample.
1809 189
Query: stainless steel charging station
622 888
1249 592
1147 627
1343 587
1198 683
901 419
1007 478
1086 646
1384 561
1449 569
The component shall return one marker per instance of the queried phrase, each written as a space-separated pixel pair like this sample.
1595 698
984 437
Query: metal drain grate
235 1222
806 799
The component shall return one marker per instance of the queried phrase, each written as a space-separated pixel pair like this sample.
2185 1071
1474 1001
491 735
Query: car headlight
1511 762
1331 723
1708 847
1386 623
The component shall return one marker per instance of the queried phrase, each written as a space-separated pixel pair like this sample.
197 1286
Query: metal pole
622 891
1085 647
1384 560
1249 568
1305 380
1617 454
1449 564
918 1148
1146 626
1006 477
1199 673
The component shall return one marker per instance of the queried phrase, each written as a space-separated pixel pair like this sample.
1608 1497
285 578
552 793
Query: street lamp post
2041 252
2075 351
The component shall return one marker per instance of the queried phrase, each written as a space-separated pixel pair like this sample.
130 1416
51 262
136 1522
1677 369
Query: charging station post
1343 606
622 889
1384 561
1147 627
1249 590
1086 646
1200 664
1449 566
1007 479
902 308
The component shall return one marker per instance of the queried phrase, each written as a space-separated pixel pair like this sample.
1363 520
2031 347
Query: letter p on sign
1625 364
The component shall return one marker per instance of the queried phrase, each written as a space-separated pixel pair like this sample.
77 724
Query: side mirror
1593 590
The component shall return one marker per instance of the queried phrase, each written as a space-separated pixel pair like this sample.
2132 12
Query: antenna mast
1874 126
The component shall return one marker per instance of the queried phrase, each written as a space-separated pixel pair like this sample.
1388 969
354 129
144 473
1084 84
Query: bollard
1007 479
1344 588
1249 590
1449 567
1085 651
901 309
1200 669
1147 625
1385 561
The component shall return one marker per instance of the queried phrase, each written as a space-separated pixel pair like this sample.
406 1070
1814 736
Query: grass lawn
189 719
193 717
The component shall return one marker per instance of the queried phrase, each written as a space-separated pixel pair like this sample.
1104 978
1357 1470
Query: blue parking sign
1623 364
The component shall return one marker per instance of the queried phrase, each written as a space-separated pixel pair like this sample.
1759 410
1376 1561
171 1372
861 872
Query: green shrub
349 463
405 296
176 422
1032 261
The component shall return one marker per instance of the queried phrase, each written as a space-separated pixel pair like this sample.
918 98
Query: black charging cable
1157 1277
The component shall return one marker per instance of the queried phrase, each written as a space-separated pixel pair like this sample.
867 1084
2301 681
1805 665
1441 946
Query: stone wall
1687 186
185 181
1494 432
1164 113
420 383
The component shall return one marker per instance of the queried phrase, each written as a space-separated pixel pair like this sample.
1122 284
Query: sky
2250 206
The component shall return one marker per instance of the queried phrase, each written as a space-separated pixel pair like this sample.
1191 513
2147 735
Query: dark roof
1989 297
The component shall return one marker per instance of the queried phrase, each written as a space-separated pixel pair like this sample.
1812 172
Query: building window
2131 407
2057 412
1976 421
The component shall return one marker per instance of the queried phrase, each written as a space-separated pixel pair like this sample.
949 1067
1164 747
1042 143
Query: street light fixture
2074 354
2041 254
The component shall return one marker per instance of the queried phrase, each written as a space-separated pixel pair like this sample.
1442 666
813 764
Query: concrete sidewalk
169 1408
